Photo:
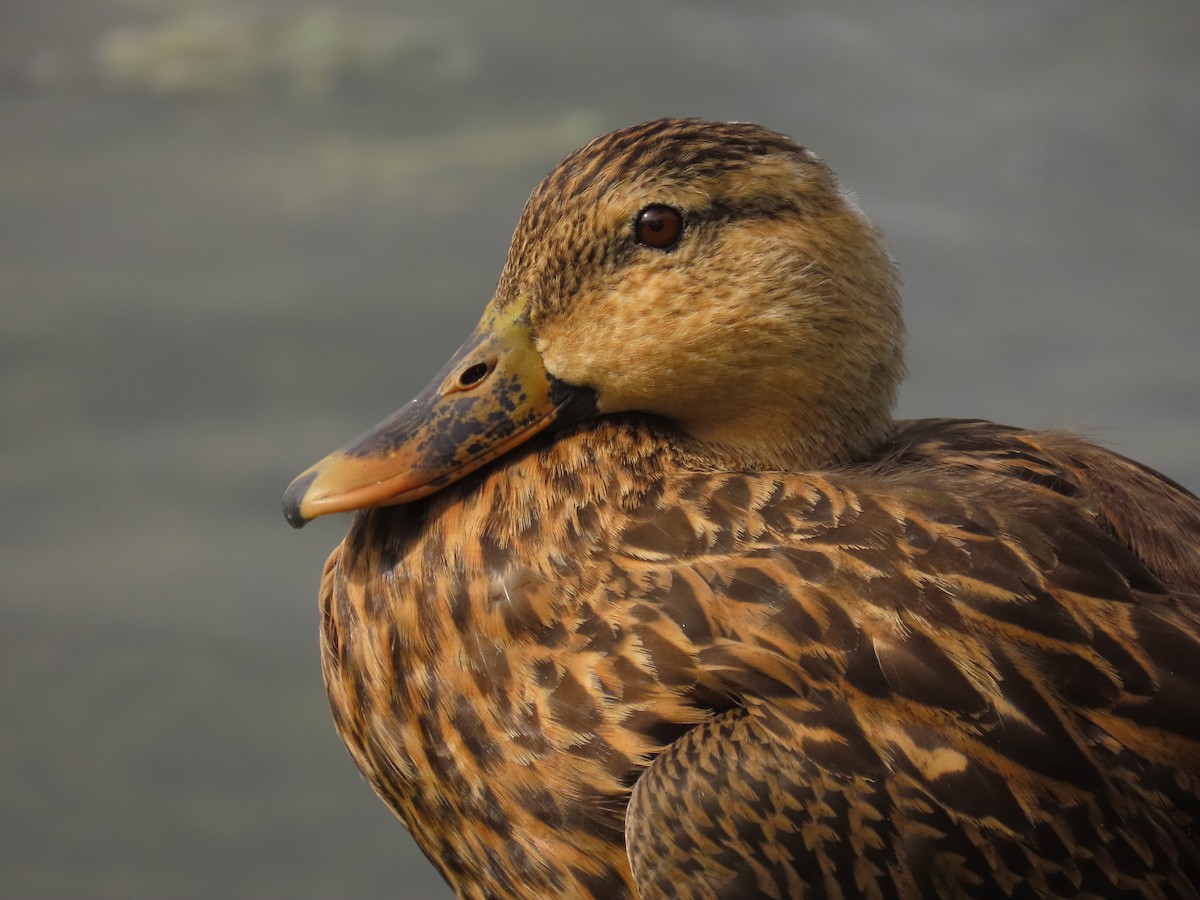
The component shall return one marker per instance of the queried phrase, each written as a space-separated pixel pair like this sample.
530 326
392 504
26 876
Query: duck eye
658 226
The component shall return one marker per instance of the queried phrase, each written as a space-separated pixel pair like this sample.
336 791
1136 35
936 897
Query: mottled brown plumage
709 623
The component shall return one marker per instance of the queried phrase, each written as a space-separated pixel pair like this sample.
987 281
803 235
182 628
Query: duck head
712 275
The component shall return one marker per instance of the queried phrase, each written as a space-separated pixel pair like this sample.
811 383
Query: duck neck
796 437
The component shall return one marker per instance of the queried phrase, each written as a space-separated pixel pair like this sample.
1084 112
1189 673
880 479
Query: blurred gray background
233 234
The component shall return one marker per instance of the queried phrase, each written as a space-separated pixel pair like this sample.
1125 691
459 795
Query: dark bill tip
292 498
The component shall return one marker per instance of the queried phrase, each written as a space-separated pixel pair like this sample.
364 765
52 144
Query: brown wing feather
732 810
964 663
1155 517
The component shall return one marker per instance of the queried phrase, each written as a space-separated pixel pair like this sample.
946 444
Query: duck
648 594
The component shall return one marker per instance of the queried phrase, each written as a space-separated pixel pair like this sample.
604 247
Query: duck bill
493 395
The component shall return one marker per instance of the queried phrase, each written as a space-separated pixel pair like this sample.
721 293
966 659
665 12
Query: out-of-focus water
233 235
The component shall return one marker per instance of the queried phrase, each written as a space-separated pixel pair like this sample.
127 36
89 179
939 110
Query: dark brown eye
658 226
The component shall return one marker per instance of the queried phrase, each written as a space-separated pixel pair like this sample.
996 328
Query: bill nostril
473 374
